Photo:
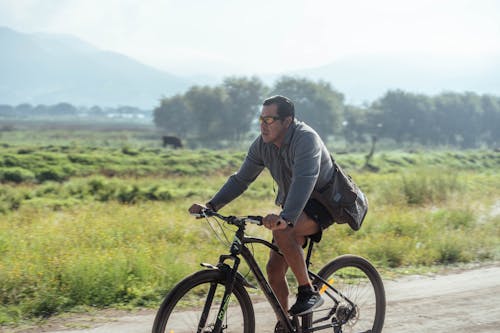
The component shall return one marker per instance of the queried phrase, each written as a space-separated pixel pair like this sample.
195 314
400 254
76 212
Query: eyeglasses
268 120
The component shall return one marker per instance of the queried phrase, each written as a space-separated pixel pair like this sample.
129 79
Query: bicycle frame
238 247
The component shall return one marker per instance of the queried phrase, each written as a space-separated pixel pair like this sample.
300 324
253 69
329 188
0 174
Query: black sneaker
307 300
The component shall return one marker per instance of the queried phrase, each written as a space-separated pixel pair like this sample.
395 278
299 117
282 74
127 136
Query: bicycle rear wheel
193 304
356 281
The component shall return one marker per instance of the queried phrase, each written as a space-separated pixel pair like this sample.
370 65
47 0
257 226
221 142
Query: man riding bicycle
299 162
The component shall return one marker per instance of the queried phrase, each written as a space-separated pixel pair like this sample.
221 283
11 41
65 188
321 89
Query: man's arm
306 167
236 184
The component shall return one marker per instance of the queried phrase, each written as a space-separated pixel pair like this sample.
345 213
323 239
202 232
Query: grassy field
83 225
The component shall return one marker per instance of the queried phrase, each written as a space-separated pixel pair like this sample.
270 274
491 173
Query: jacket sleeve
237 183
305 172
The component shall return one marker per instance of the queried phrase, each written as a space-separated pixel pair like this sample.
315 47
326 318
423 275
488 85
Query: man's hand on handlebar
274 222
196 209
271 221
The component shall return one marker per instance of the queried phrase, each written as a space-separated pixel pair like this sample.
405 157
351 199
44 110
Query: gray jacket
299 166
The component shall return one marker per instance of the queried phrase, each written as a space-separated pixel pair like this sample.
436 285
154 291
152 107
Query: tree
63 109
244 97
96 111
174 116
209 113
23 110
406 117
41 110
490 120
6 110
316 103
226 113
357 125
459 116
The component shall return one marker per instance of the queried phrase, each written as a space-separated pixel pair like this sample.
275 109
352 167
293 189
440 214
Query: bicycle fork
231 274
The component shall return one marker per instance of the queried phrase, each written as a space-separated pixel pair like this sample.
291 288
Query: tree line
228 113
26 110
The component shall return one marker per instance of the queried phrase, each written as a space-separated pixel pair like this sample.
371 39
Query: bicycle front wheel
193 305
359 303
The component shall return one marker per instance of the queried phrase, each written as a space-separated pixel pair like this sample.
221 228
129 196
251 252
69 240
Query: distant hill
49 69
366 78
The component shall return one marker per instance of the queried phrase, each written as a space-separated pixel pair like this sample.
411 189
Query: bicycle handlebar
238 221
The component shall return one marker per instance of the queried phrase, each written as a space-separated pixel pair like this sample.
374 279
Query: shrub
128 194
10 160
428 186
9 199
389 251
102 189
158 193
129 151
453 248
23 151
54 173
16 175
454 219
85 159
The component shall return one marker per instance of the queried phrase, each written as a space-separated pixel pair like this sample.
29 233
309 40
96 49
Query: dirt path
455 302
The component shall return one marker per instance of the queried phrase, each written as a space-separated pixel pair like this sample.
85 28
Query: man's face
273 130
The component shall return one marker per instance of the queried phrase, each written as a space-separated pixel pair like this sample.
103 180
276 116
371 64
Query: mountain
49 69
368 77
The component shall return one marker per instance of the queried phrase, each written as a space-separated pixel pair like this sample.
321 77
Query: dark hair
285 106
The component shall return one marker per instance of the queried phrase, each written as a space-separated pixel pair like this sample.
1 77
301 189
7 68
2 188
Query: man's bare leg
276 273
290 241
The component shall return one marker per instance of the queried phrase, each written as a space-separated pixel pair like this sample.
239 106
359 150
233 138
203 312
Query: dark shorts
318 213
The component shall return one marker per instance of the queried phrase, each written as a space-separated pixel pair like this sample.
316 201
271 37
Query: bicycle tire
357 279
179 312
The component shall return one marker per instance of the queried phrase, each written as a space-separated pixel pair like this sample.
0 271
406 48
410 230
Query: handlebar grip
206 212
255 218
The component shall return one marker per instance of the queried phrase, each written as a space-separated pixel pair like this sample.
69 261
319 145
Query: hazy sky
265 36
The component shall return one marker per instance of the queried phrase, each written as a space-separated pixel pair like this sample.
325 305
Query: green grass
114 230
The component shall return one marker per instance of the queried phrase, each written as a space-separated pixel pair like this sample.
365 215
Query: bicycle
350 285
